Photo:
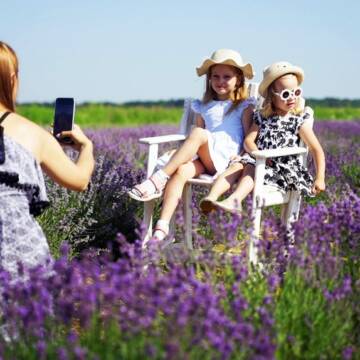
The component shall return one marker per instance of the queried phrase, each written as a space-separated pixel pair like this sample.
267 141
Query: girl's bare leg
244 188
196 143
175 186
224 182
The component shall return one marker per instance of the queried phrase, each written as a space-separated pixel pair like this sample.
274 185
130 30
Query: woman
26 150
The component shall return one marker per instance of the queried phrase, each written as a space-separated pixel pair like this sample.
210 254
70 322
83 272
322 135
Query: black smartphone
64 118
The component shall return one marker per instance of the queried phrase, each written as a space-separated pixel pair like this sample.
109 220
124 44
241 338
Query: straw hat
226 57
276 70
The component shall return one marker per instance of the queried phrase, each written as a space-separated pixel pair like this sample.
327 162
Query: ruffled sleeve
257 119
301 119
249 101
196 106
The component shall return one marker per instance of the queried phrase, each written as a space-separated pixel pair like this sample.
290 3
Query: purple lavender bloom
205 302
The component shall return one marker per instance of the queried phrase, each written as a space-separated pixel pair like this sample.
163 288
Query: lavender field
108 299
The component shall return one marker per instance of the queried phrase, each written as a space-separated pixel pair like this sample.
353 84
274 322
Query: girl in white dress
223 119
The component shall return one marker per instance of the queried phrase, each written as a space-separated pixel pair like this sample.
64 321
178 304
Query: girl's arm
307 135
199 121
60 168
247 119
249 142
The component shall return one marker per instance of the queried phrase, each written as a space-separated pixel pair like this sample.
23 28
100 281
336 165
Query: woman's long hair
9 67
239 94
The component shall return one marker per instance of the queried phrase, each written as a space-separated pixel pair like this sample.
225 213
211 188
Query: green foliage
341 113
90 218
322 197
352 172
105 115
334 102
98 115
67 217
308 326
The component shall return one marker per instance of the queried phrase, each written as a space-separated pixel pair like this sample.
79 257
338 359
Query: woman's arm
307 135
60 168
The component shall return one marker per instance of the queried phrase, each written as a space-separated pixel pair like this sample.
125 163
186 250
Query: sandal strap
158 181
163 226
136 190
146 188
155 184
162 230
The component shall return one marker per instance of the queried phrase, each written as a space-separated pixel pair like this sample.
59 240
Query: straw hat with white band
276 70
226 57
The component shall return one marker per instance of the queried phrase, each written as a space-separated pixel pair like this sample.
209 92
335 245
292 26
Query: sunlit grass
99 115
96 115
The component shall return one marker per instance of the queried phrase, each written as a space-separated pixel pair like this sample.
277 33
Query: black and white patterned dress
286 173
22 196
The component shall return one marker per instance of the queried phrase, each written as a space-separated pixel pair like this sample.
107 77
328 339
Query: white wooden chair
186 124
262 195
266 195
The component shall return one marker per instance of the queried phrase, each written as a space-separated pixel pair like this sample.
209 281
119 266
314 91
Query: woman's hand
318 187
74 175
77 136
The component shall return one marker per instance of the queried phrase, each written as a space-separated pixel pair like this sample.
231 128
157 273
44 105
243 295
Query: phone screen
64 115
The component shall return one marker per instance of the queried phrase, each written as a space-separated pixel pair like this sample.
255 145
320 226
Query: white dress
22 196
225 131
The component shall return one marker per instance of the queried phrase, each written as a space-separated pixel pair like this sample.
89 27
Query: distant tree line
326 102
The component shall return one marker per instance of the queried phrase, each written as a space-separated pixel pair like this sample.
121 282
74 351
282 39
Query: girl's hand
235 158
77 136
318 187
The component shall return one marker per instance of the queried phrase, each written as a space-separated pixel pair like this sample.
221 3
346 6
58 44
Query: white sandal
161 230
235 209
150 189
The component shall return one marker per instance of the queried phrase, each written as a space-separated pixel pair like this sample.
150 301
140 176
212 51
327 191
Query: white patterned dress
22 196
286 172
225 130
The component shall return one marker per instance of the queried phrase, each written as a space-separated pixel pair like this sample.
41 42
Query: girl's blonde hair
268 109
239 94
8 67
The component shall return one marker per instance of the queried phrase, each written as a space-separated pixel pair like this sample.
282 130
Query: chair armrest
162 139
264 154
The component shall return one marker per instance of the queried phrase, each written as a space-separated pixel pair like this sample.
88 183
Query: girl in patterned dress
223 118
280 123
25 150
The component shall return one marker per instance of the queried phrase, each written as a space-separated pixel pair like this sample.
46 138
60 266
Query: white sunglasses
286 94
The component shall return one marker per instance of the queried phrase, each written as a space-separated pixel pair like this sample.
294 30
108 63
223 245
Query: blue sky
147 50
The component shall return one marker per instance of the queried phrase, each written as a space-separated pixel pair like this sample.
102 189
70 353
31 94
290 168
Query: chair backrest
188 117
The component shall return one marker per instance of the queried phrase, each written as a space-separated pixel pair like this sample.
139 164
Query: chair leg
187 197
171 236
147 220
290 214
255 236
